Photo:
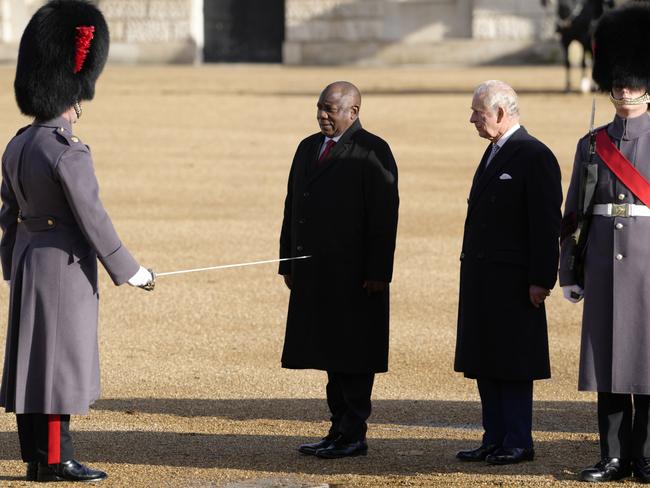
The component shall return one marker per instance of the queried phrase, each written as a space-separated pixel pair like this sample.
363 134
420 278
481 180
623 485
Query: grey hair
495 94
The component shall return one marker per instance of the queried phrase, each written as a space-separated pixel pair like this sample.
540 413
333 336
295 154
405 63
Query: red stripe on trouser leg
53 439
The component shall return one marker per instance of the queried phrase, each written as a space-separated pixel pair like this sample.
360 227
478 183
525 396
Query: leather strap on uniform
622 168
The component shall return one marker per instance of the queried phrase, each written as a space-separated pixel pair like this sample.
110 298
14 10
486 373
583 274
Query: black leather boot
478 454
641 468
607 469
68 471
32 471
312 448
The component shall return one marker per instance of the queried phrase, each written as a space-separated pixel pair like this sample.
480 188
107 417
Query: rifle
588 181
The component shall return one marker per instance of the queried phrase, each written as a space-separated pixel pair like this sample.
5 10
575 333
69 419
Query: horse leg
585 83
567 67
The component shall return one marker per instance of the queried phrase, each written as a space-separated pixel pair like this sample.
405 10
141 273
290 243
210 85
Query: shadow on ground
271 453
576 417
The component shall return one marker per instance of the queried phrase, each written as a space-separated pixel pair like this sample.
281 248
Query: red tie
326 151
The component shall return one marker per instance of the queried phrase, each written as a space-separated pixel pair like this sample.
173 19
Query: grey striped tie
495 150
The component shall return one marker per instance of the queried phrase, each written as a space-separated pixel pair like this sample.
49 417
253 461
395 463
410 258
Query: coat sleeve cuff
120 265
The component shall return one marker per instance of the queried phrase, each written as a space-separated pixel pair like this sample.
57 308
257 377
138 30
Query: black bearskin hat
621 42
62 53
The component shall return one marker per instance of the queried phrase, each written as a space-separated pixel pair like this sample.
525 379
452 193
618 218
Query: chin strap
645 98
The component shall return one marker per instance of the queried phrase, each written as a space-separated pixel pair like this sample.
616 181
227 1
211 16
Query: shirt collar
504 138
335 139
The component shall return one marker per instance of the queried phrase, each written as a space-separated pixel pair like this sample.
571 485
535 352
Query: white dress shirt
324 145
496 146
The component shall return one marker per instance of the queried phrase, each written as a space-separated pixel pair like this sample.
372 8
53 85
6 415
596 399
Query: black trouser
507 412
348 398
45 438
623 428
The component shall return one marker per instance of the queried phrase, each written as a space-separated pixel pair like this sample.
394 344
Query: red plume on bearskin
622 38
84 37
62 53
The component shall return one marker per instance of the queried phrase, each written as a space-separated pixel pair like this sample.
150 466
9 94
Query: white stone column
197 29
5 15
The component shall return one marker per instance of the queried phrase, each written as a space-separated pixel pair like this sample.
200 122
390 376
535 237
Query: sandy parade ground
192 163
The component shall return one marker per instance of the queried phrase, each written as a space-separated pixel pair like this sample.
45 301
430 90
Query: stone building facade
366 32
416 31
151 31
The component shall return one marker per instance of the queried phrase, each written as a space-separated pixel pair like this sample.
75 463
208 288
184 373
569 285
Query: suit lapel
498 161
334 157
479 172
312 156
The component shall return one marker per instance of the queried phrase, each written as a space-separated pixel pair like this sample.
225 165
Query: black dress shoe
32 471
478 454
607 469
511 455
68 471
340 448
312 448
641 468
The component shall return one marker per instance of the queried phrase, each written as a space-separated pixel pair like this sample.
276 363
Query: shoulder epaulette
67 136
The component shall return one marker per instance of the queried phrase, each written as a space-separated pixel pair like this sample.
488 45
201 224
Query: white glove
8 283
573 293
141 278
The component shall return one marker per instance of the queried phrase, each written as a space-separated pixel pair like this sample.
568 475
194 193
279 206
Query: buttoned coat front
510 242
343 214
51 362
615 345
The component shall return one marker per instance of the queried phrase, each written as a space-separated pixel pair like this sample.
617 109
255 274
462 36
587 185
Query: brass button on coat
619 226
621 196
619 257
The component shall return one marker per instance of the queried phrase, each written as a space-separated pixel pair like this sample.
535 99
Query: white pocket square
505 176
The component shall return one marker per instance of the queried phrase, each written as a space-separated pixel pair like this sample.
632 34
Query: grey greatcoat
615 346
48 182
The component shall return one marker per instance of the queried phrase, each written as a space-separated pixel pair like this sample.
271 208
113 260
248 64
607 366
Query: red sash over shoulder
622 168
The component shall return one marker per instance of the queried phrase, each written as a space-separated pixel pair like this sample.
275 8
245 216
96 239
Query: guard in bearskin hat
605 256
54 230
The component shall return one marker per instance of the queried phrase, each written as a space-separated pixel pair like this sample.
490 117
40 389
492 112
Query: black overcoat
344 215
510 242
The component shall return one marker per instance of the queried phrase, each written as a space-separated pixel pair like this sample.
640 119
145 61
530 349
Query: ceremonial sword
151 285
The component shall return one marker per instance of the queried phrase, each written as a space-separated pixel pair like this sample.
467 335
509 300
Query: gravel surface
192 164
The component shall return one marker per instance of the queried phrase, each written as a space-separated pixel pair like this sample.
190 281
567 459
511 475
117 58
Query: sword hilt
152 284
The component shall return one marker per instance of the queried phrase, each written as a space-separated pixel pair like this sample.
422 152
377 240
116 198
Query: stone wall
414 31
366 32
154 30
141 30
511 19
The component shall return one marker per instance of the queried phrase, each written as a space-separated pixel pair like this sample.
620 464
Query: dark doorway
250 31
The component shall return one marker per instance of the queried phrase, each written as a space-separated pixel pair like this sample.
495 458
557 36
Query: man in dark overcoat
615 344
341 210
54 228
508 267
